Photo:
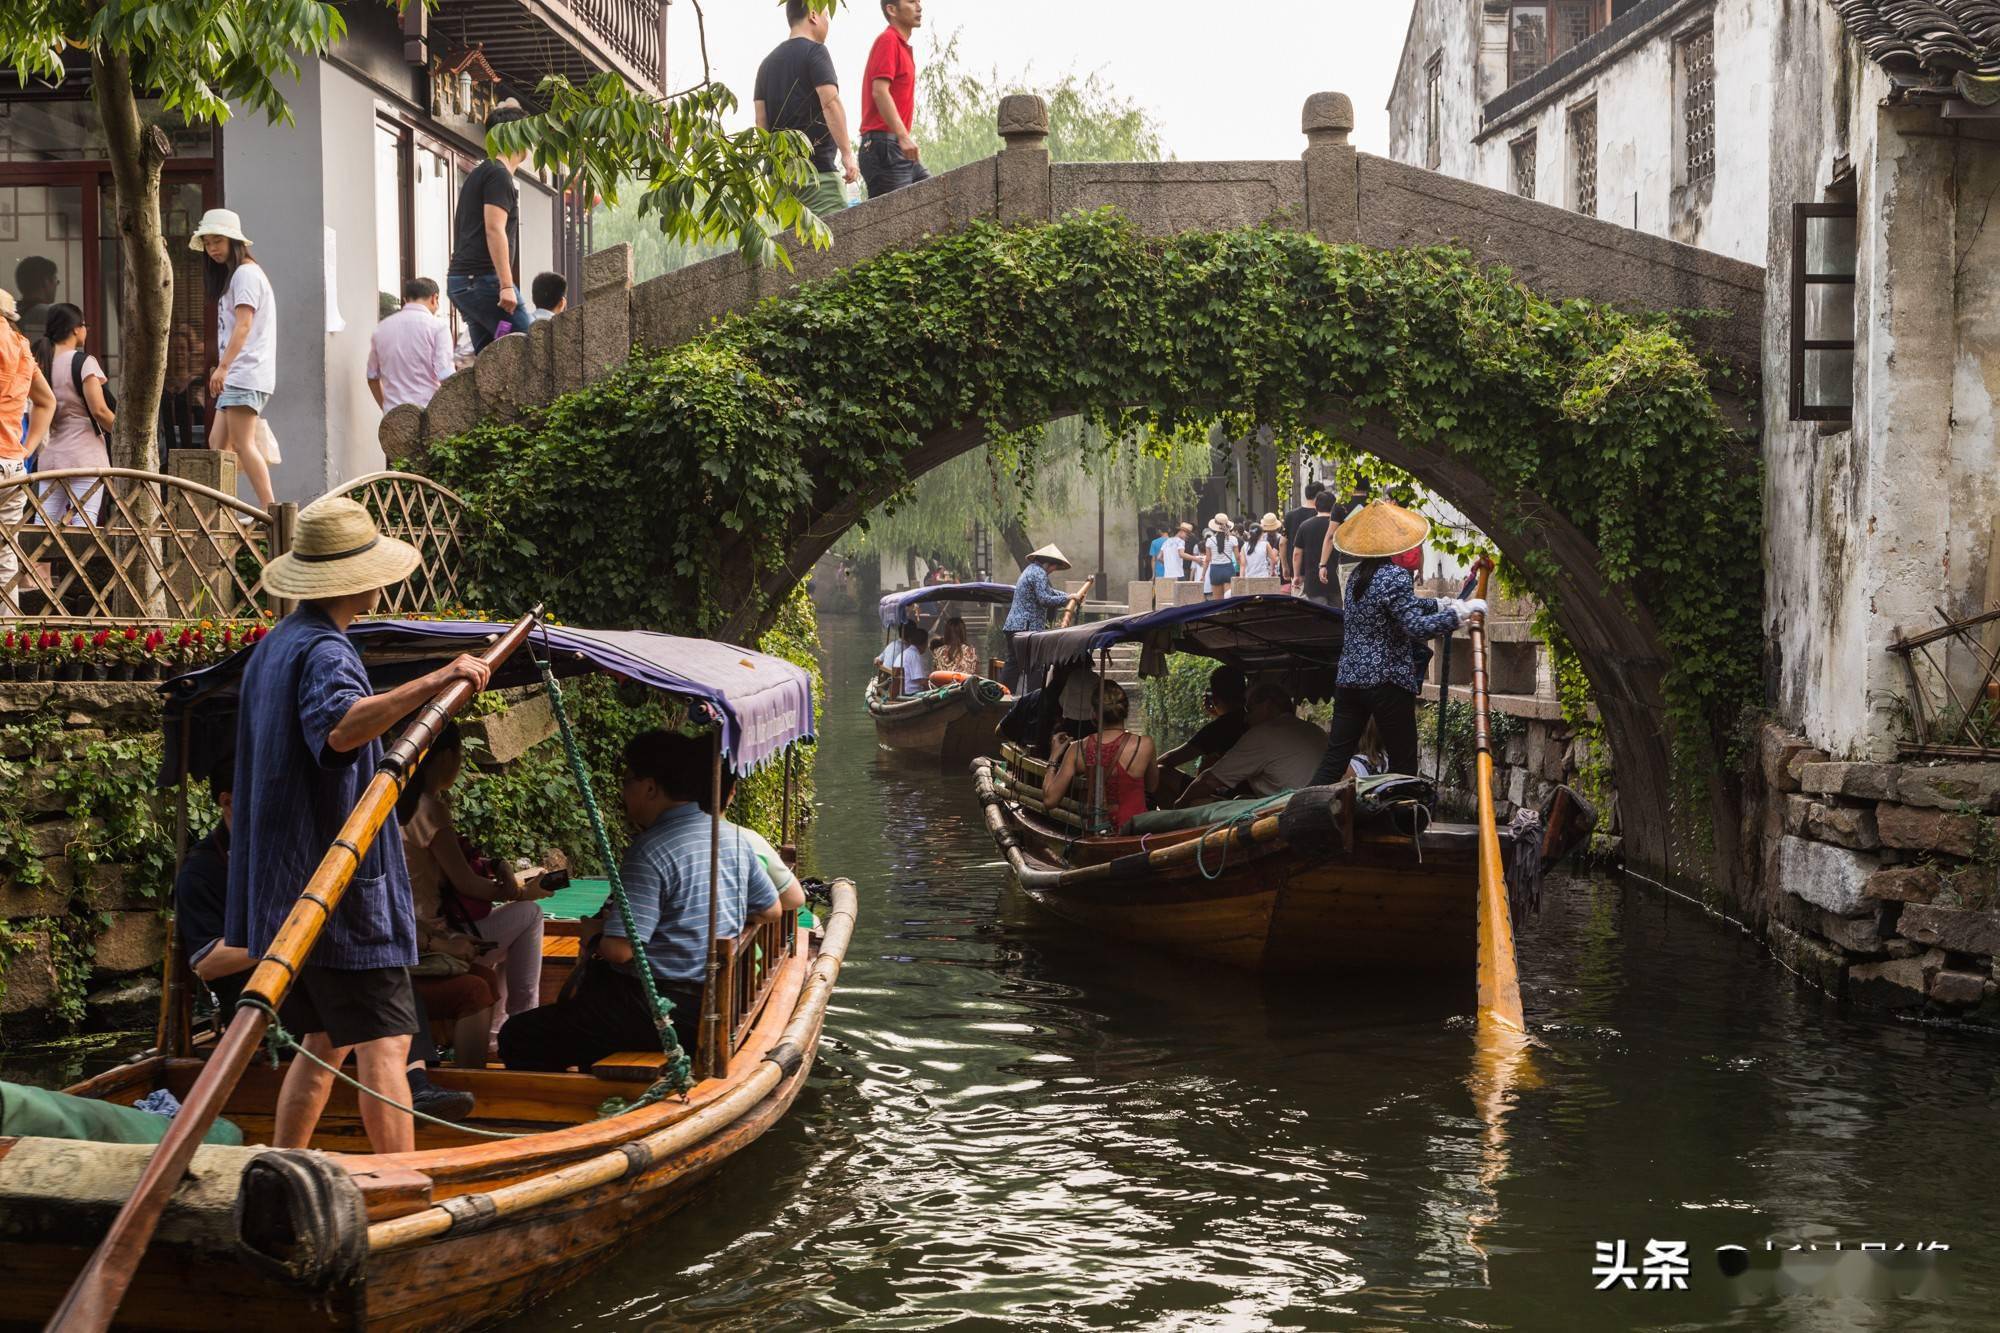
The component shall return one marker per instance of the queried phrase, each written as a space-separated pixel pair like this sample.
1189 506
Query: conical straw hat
1050 552
337 550
1381 530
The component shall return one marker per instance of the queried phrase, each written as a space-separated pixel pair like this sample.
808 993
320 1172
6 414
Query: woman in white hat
1034 598
308 740
1265 554
1221 553
1383 658
246 331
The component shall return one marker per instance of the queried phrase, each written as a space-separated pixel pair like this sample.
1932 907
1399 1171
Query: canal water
1011 1124
1014 1125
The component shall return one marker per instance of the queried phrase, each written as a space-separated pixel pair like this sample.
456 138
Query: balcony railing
634 29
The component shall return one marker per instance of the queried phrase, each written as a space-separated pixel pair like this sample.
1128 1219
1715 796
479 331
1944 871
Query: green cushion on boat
578 899
28 1111
1196 816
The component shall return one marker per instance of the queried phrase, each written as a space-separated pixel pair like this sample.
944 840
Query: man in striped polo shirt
665 871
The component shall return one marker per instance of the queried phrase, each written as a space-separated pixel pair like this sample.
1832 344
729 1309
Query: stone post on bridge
1333 182
1026 193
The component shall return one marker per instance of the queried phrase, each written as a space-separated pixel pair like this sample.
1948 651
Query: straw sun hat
1381 530
218 222
1053 554
1221 523
8 310
337 551
1269 523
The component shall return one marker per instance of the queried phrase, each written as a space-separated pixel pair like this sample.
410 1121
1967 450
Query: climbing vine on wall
634 500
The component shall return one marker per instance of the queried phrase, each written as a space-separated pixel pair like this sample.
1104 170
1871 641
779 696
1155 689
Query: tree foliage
649 488
958 114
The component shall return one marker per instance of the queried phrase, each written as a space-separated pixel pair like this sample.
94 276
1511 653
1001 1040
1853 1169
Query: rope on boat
1242 823
678 1075
278 1041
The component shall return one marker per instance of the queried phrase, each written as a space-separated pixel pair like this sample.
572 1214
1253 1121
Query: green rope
679 1074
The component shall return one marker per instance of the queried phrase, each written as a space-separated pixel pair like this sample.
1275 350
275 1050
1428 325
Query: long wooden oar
94 1297
1499 982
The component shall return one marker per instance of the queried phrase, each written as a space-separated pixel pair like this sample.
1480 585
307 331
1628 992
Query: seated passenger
665 874
1121 760
952 652
907 674
1277 753
483 913
1223 701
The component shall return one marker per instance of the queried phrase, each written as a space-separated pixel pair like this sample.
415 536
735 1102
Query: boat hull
1390 902
522 1225
951 725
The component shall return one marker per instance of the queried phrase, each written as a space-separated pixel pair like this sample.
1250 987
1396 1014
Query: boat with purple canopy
956 715
554 1171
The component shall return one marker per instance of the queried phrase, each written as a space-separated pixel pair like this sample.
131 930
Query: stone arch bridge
1333 191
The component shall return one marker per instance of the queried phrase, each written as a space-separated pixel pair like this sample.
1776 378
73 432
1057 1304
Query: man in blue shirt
665 872
1034 598
308 740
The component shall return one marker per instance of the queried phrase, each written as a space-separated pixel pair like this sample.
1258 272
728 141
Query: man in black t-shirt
1296 518
1306 548
1228 688
797 90
486 243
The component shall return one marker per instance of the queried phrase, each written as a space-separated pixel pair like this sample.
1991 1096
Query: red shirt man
889 153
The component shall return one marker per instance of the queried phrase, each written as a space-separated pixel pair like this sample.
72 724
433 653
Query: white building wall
1638 120
347 154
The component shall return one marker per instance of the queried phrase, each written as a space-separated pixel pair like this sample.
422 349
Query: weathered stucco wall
1638 119
1873 527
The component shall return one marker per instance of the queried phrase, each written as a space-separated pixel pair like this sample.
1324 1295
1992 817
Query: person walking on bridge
1034 598
1383 658
797 90
889 152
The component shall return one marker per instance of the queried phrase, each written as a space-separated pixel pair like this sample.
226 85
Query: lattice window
1524 167
1697 61
1434 113
1527 41
1583 158
1576 20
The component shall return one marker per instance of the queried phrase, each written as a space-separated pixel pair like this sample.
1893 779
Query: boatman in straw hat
1384 657
1034 598
308 739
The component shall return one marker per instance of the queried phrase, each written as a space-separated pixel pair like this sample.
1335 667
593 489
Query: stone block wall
74 929
1880 882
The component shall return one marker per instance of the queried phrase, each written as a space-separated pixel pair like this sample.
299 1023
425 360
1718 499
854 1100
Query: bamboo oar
1499 983
94 1297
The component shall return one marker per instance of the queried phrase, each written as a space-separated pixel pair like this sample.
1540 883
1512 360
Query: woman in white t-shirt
1265 555
78 436
1220 553
246 332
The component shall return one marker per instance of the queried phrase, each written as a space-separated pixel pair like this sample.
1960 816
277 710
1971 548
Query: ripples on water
1010 1125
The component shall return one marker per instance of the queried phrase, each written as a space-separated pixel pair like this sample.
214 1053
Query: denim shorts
235 395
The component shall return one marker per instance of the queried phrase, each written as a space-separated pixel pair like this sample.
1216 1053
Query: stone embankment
1881 881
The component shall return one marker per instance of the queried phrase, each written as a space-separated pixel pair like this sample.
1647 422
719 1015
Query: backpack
76 361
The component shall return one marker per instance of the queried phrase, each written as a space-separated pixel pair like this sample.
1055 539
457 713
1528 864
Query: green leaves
643 496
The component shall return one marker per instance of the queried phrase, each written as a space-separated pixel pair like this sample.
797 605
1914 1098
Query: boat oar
94 1297
1499 982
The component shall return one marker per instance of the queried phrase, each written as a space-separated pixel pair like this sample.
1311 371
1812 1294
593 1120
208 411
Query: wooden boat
465 1230
1330 879
955 719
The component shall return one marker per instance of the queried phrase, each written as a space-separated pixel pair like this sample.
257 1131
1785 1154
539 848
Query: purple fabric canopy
763 703
896 604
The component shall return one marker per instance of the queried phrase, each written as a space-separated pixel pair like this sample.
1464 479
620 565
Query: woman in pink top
1126 761
82 428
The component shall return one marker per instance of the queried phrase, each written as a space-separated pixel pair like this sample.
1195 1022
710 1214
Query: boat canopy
897 605
762 703
1267 634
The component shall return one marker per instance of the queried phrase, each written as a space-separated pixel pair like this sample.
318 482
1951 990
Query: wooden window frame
1575 113
1434 112
1801 279
1532 142
1600 18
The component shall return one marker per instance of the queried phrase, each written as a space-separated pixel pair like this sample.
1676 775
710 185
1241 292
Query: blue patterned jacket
1386 629
1034 598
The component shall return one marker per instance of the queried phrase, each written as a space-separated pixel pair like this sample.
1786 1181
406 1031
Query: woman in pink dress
81 432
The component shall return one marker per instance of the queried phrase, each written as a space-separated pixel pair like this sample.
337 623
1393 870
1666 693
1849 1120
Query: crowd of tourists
431 928
1297 550
1254 743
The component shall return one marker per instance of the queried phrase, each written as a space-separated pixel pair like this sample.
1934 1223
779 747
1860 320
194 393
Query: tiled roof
1938 42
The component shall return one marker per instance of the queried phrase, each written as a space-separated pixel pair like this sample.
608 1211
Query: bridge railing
96 545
